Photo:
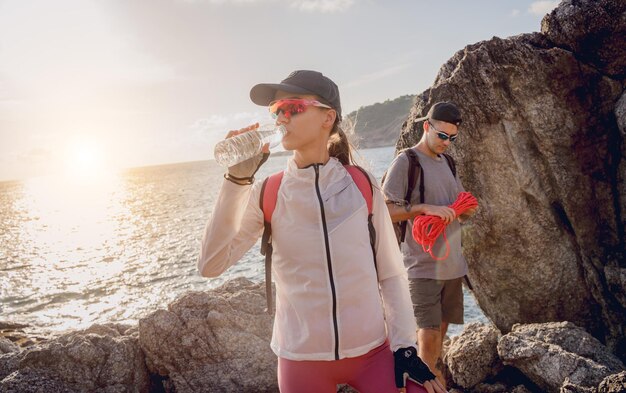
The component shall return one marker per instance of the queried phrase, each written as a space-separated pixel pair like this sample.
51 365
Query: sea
117 247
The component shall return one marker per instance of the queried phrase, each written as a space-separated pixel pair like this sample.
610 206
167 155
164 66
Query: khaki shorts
435 301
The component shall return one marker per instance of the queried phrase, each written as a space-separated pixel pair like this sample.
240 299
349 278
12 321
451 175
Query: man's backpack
414 166
267 202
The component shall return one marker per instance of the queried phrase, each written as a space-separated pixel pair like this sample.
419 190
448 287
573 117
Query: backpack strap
364 183
451 163
414 165
269 194
267 203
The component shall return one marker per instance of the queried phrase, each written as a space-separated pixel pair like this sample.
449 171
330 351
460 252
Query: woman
331 324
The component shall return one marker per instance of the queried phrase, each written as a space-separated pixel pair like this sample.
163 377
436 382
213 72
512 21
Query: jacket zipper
328 260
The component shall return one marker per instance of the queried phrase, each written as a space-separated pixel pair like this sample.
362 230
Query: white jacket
327 302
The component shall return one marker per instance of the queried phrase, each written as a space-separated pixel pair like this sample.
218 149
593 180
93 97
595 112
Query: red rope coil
426 229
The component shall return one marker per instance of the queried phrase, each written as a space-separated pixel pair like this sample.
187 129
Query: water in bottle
241 147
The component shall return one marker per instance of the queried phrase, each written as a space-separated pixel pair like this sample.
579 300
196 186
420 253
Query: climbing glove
409 365
243 173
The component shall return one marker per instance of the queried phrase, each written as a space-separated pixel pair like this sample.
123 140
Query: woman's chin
287 146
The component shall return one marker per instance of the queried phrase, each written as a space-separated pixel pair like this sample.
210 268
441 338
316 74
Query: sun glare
84 159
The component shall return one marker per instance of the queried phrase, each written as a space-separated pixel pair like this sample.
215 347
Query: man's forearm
401 213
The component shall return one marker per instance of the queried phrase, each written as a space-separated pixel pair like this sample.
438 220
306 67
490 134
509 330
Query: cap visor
264 93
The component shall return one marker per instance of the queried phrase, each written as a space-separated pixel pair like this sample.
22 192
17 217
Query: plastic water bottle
241 147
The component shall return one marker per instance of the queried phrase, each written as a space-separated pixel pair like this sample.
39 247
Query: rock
14 333
541 149
103 358
616 281
213 341
7 346
616 274
569 387
615 383
515 380
594 30
556 354
570 338
520 389
8 364
620 114
497 387
446 375
472 356
29 381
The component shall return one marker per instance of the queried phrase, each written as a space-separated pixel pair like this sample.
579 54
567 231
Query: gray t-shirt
440 188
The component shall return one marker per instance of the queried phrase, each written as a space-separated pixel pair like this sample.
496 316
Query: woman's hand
409 366
244 171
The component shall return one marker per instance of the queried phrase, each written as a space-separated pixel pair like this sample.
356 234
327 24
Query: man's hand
446 213
467 214
409 366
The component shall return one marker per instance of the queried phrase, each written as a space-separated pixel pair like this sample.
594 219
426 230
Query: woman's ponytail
339 146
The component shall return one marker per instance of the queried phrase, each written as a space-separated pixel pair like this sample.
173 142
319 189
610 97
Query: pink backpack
267 202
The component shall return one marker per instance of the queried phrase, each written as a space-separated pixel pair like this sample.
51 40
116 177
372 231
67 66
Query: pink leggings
369 373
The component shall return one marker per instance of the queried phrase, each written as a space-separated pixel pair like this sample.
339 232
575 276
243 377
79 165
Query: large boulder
594 30
472 356
556 354
541 149
103 358
215 341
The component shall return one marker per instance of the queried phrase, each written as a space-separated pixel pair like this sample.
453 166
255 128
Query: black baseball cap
300 82
444 111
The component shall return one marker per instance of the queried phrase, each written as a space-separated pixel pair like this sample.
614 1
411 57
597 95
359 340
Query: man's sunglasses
442 135
293 106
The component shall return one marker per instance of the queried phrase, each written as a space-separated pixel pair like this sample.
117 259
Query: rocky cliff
542 148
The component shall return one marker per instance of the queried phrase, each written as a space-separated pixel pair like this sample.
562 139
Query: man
436 285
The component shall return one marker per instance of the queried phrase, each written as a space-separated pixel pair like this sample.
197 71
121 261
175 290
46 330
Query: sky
109 84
